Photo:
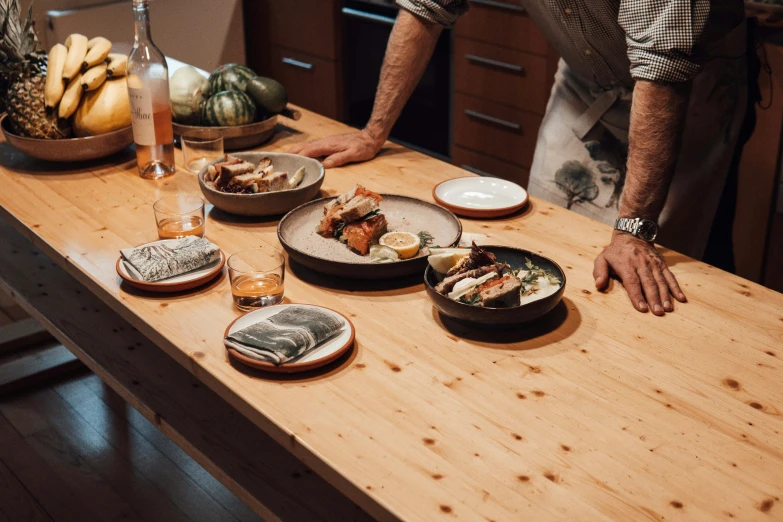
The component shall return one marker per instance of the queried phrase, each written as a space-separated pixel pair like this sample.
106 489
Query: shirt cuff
657 67
434 11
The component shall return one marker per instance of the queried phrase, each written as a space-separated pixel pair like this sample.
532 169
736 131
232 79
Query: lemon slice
442 263
383 254
405 243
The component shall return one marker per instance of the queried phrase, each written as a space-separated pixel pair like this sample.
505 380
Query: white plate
319 356
480 197
177 283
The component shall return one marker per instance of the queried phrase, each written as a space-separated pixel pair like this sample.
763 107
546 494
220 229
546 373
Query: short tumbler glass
179 216
257 277
201 147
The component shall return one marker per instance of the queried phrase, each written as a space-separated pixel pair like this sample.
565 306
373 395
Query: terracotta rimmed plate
297 234
322 355
180 283
478 197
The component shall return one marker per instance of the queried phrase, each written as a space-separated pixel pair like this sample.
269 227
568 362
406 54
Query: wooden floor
73 450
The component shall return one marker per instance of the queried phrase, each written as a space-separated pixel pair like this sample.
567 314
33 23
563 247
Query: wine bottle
148 89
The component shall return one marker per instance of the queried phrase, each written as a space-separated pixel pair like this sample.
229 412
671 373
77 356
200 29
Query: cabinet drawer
501 75
489 166
310 26
311 82
494 129
502 22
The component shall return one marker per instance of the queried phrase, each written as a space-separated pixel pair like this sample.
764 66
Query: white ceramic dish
178 283
480 197
319 356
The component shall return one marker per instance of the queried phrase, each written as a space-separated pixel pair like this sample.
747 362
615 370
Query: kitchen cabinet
298 42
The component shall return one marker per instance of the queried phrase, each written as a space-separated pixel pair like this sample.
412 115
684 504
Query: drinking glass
179 216
200 147
257 277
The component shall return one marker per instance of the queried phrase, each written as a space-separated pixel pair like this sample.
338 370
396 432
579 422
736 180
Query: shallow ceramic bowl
478 197
72 149
238 137
297 234
268 203
499 317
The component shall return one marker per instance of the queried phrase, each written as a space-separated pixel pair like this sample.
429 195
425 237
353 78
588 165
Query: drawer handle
372 17
495 63
501 5
297 63
491 119
474 170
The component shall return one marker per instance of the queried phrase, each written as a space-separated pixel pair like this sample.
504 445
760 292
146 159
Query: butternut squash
103 110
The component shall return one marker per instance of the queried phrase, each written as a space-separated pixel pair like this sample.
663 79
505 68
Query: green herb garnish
338 229
425 239
371 215
473 300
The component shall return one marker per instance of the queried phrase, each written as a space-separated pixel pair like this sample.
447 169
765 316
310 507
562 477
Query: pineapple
22 77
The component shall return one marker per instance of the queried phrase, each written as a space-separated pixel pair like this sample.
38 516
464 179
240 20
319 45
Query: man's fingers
294 149
601 272
663 290
340 158
633 287
673 285
319 148
650 287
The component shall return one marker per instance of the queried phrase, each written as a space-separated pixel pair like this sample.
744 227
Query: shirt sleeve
662 37
443 12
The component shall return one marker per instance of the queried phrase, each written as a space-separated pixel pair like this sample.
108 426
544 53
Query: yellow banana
55 87
94 77
97 50
77 50
118 63
71 98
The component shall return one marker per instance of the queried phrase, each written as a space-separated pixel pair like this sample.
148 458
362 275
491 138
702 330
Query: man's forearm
410 48
657 119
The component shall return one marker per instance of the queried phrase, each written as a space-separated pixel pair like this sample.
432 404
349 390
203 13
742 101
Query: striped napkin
286 335
160 261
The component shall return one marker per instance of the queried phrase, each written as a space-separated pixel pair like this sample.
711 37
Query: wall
204 33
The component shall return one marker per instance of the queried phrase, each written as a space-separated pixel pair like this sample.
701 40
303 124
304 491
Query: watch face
648 230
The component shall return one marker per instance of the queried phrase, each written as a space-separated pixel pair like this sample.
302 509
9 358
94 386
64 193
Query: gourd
231 76
189 91
105 109
229 108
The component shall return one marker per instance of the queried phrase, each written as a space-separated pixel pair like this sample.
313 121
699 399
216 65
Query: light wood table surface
597 412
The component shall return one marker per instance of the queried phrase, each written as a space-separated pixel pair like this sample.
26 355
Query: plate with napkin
289 338
171 265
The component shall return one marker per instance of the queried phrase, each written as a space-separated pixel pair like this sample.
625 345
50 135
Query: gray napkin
152 263
286 335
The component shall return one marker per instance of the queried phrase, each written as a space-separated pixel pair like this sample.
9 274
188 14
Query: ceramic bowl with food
71 149
496 316
267 203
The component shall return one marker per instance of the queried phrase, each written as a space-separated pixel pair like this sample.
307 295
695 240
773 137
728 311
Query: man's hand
643 271
341 149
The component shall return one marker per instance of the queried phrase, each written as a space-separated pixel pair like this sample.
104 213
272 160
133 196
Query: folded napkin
152 263
286 335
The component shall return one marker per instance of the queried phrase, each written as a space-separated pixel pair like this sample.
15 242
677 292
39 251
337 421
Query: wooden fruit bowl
71 149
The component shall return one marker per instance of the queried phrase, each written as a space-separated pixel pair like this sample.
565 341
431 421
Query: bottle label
141 116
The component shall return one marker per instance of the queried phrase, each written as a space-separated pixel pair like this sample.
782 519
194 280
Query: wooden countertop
598 412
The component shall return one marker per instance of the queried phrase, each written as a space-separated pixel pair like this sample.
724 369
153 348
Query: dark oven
425 122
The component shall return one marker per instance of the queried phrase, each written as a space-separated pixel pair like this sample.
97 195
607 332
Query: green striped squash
229 108
229 77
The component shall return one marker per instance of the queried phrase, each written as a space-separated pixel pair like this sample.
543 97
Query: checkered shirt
615 42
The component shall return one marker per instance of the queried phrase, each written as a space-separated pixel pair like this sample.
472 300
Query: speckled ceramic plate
328 351
328 256
180 283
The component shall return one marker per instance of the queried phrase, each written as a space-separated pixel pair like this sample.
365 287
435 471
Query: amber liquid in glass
257 290
179 227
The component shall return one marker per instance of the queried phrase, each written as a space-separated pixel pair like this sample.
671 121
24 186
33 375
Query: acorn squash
103 110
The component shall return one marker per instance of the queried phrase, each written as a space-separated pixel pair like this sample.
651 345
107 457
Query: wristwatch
641 228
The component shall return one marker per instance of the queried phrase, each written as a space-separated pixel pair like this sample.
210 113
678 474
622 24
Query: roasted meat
476 259
346 209
360 235
447 285
500 292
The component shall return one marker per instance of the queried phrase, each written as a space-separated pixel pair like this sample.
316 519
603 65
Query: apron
582 148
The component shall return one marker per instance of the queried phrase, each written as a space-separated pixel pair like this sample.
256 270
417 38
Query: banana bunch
79 66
